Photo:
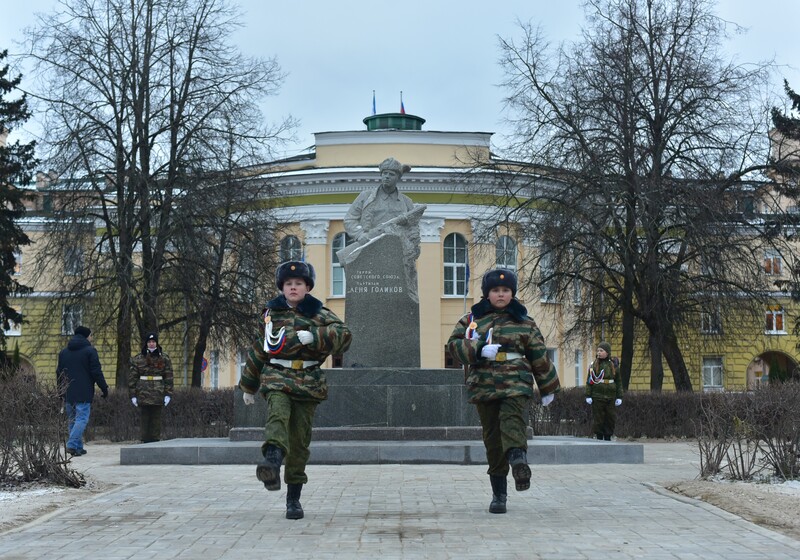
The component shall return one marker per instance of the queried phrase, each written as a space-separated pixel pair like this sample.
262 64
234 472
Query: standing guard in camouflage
283 365
150 385
504 353
603 392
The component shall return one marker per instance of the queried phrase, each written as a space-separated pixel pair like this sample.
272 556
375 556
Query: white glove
134 401
305 337
547 399
248 399
617 402
490 351
588 400
167 398
474 335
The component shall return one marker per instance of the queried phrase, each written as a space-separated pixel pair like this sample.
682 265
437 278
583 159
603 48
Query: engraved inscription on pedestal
380 309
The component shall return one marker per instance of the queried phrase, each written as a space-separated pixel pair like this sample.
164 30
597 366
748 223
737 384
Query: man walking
78 371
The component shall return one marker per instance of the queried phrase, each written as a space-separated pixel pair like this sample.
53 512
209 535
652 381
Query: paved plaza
209 512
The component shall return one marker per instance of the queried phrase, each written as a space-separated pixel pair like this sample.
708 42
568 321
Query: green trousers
151 422
604 416
289 422
504 427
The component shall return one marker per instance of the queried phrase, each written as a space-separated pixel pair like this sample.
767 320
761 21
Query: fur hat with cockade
295 269
499 277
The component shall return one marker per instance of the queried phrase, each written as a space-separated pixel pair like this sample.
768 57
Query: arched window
455 265
506 253
291 249
340 241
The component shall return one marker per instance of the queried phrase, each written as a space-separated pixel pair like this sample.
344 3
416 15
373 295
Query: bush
191 413
33 433
654 415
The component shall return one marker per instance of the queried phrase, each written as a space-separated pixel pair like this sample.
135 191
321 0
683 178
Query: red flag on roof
402 107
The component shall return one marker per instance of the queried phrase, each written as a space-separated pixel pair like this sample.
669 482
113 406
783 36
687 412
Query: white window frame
291 249
214 366
338 280
713 373
456 269
73 261
775 320
578 367
241 356
505 250
711 322
548 289
17 262
773 264
71 317
15 328
552 355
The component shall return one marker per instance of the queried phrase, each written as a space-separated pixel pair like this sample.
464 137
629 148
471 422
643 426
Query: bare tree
223 248
132 91
640 150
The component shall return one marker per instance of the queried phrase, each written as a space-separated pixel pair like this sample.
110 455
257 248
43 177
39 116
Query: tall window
547 284
455 265
17 261
578 367
774 319
552 355
340 241
711 322
241 363
215 369
291 249
506 253
73 261
71 317
772 263
14 329
712 374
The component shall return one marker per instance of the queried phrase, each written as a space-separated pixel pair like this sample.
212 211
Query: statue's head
391 164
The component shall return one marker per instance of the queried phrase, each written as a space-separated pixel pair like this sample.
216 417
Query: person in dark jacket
283 365
603 392
77 372
150 385
506 358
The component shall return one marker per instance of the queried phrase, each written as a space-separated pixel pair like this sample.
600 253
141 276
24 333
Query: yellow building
315 190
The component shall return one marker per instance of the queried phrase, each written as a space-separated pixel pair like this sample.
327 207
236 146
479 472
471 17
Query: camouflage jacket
331 336
603 380
516 332
150 391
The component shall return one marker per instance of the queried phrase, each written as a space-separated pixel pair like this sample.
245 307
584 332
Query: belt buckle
297 364
501 357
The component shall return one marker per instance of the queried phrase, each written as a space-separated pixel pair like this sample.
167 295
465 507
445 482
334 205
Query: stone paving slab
222 451
395 511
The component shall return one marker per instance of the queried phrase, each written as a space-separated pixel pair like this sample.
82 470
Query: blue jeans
78 414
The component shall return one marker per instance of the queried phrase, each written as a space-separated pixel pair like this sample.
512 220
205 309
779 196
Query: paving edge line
725 514
60 509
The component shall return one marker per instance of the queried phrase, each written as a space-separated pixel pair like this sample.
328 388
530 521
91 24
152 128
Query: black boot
599 436
293 508
607 437
499 493
519 468
269 472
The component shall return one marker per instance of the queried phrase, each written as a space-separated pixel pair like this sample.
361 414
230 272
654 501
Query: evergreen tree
17 164
786 143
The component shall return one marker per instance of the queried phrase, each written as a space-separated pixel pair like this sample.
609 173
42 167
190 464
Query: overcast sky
442 54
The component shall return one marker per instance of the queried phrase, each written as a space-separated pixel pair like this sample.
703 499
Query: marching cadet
504 352
603 392
150 385
284 366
